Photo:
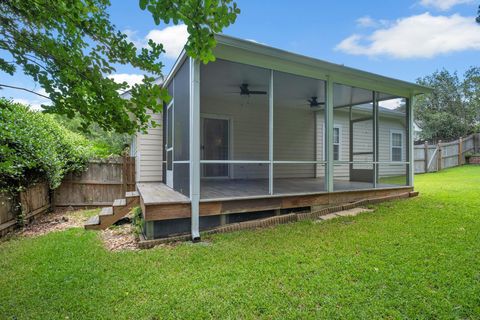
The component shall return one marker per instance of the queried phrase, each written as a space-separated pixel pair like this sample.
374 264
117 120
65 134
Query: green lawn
416 258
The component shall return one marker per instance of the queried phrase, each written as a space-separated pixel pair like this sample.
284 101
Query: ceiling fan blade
257 92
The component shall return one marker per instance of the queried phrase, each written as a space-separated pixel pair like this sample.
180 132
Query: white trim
402 148
169 133
270 134
328 140
204 116
340 137
340 144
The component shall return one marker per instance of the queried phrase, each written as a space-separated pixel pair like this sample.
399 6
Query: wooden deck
159 202
227 189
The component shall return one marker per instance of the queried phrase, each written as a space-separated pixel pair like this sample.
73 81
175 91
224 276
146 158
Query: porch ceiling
221 80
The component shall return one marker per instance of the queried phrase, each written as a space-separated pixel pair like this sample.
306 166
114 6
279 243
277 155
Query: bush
34 147
104 143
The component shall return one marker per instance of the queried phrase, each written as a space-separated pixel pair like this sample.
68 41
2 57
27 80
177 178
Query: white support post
411 156
375 139
329 135
195 147
270 134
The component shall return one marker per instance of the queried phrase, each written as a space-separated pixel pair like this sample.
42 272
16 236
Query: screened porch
264 132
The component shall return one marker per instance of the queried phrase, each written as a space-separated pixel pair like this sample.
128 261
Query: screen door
215 146
169 145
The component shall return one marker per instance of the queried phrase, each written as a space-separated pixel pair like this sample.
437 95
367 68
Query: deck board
159 193
243 188
154 193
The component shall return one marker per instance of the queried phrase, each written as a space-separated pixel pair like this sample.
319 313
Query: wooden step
119 203
93 223
107 211
132 194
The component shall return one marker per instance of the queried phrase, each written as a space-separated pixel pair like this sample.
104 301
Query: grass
416 258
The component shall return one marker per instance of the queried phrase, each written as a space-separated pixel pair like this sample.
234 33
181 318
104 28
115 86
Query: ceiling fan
245 91
314 103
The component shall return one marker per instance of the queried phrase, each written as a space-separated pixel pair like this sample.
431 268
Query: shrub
34 147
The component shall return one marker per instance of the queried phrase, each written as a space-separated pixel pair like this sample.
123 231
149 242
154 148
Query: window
396 144
336 143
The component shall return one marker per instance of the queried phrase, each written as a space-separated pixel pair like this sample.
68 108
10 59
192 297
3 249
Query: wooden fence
33 201
102 182
435 157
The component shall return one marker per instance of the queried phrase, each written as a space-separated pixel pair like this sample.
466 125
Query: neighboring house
262 131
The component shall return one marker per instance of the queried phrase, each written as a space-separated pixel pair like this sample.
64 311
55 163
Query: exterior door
361 149
215 146
169 145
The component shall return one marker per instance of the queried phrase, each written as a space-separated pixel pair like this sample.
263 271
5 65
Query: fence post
460 151
439 157
476 142
124 174
425 157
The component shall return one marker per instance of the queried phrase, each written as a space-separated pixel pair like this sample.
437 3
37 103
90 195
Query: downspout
195 148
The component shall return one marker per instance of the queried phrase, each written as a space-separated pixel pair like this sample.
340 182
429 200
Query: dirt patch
344 213
119 238
115 238
57 221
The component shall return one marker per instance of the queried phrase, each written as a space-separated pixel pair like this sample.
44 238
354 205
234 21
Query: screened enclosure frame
274 60
328 162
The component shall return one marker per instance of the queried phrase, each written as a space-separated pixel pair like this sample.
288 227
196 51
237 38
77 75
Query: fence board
33 201
99 185
448 151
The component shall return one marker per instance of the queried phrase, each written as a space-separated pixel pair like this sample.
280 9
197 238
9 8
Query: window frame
401 147
339 127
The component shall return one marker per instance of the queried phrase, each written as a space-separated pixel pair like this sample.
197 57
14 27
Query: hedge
34 147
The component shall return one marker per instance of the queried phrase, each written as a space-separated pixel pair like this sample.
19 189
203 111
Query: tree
451 110
70 48
478 15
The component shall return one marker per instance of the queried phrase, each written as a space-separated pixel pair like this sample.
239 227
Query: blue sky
400 39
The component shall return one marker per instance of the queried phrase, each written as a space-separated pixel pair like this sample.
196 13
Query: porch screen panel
181 113
393 135
181 129
298 130
353 139
234 111
181 178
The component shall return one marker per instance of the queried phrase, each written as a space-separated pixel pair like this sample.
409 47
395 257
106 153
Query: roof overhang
253 53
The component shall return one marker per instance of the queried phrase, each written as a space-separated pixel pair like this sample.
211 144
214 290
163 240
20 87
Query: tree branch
24 89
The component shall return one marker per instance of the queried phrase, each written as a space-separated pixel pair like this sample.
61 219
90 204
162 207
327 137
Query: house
262 132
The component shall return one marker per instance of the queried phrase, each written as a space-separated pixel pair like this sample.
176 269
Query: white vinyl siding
297 136
149 153
386 125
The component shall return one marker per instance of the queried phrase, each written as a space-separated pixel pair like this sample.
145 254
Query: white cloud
369 22
443 5
420 36
391 104
132 36
173 39
366 22
34 104
129 78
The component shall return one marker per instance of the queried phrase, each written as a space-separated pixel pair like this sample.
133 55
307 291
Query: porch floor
215 189
241 188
